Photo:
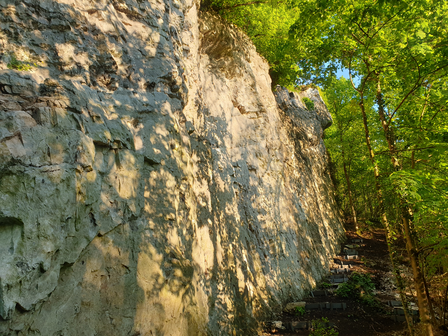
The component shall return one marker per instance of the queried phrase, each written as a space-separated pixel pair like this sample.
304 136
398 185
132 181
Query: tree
395 48
397 51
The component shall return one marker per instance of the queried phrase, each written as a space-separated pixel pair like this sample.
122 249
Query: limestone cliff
150 181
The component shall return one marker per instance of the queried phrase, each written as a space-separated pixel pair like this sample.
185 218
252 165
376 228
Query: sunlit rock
150 181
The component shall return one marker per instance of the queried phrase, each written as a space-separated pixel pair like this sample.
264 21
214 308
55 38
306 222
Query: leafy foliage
325 285
358 286
308 103
267 23
321 328
300 311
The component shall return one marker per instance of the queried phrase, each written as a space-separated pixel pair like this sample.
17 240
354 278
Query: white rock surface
150 182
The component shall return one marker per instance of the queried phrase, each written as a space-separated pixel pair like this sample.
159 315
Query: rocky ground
350 317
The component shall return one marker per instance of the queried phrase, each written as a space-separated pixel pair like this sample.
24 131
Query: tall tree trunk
347 179
384 219
369 202
423 302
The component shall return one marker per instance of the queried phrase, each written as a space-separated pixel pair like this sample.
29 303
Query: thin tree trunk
422 299
384 219
349 189
423 302
444 304
369 202
430 304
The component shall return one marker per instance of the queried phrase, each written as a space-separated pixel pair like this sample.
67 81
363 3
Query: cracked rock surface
150 181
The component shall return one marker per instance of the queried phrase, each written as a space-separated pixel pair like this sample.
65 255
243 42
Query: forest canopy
389 140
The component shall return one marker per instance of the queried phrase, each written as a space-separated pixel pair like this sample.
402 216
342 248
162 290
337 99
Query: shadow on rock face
147 187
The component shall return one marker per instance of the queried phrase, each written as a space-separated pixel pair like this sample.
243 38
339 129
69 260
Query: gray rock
147 190
292 306
277 325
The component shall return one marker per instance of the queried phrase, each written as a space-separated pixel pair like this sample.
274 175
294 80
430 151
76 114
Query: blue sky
343 73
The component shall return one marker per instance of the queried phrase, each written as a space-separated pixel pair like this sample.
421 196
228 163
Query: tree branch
350 74
405 150
420 250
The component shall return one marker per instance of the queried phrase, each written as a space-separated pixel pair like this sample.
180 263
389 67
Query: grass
15 64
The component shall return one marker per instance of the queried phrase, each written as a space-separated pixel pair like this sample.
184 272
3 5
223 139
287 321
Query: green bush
300 311
15 64
309 103
326 285
359 287
321 328
345 290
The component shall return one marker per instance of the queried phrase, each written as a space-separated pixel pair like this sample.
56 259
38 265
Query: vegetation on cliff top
389 142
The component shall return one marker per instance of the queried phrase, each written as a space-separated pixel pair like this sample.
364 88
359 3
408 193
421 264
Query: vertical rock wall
150 182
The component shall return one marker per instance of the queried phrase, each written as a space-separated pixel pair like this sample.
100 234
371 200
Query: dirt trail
351 317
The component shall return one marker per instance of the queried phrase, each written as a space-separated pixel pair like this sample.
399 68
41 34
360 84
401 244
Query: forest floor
359 318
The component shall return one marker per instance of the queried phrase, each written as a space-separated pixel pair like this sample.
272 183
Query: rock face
150 182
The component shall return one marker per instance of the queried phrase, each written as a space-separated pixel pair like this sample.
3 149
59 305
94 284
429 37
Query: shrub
321 328
300 311
359 286
309 103
326 285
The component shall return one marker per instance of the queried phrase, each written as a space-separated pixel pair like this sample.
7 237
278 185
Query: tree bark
384 219
423 302
422 298
347 179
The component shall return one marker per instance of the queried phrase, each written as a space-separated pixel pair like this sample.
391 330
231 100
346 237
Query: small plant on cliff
309 103
300 311
322 328
15 64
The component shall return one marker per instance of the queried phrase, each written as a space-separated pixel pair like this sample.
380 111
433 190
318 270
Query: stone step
352 246
392 303
338 280
351 257
341 270
343 262
292 306
349 252
339 276
313 306
303 325
297 325
326 305
318 293
400 311
346 265
336 306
